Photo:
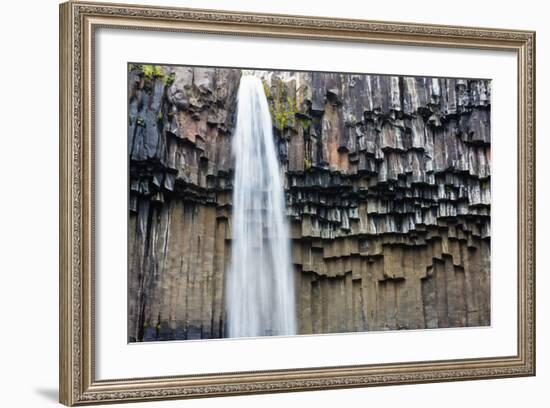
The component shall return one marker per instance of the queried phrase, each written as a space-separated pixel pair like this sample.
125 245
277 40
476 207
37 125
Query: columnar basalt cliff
387 183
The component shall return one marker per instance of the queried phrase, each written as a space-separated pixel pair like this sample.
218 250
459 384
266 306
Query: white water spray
260 282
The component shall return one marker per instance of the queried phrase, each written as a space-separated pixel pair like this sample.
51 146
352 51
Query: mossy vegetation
304 121
267 91
153 72
485 184
283 113
169 79
283 107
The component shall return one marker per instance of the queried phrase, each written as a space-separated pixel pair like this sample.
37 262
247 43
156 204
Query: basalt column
387 189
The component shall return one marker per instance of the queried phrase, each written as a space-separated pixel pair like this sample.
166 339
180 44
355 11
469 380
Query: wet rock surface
387 188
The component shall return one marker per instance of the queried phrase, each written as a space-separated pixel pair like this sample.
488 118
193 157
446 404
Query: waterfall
260 283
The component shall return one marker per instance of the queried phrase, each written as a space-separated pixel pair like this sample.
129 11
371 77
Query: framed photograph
258 203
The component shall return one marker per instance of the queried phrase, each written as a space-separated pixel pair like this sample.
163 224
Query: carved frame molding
78 21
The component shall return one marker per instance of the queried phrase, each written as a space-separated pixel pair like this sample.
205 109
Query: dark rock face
387 187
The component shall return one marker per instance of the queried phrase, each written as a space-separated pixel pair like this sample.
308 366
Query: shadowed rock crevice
387 183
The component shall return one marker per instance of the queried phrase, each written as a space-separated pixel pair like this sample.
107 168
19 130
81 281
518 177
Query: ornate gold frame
78 22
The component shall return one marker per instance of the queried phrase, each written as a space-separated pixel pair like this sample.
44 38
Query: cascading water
260 284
